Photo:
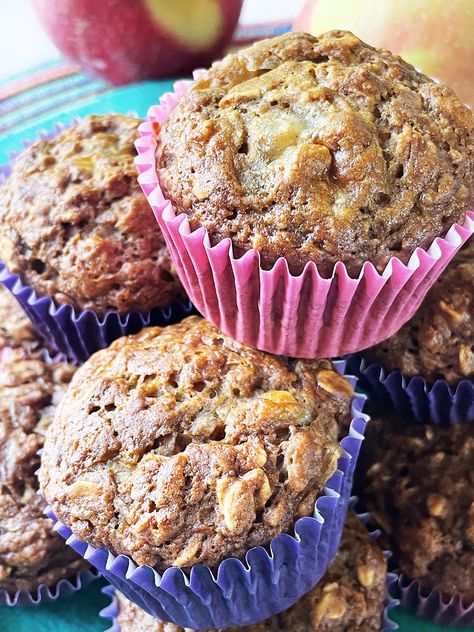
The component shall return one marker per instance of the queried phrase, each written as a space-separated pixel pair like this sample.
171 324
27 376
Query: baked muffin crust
16 329
75 225
319 149
179 446
417 481
438 342
31 553
350 596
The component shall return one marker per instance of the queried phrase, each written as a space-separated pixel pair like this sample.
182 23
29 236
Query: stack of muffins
310 192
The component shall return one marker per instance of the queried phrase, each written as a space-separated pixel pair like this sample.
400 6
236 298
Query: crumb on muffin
16 329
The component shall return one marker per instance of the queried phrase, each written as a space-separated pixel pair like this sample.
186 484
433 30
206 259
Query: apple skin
433 35
132 40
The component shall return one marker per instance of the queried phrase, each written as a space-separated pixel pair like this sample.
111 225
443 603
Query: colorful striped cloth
55 84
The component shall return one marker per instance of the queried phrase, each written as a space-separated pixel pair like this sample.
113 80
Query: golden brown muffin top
350 596
75 225
179 445
438 342
319 149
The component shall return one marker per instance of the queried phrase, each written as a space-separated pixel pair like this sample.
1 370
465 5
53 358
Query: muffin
350 596
75 226
31 553
16 330
319 149
438 342
417 481
179 446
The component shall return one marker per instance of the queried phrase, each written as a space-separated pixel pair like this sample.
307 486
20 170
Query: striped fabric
56 84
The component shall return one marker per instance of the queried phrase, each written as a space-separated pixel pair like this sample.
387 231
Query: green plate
80 612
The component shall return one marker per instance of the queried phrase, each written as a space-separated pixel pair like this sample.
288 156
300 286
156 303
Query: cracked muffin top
75 225
178 445
31 553
438 342
417 481
319 149
350 596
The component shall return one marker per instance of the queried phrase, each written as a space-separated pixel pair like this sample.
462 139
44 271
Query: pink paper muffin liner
305 316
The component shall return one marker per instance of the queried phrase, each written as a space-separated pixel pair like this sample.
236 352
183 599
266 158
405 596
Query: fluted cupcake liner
236 592
111 611
433 604
45 594
76 333
304 316
412 397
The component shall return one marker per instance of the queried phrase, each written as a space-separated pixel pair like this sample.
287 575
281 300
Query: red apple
131 40
433 35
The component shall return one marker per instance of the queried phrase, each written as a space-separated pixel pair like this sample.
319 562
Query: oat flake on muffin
16 330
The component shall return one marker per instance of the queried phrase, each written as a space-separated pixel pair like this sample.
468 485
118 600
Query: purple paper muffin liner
433 605
78 334
412 397
269 580
111 610
45 594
